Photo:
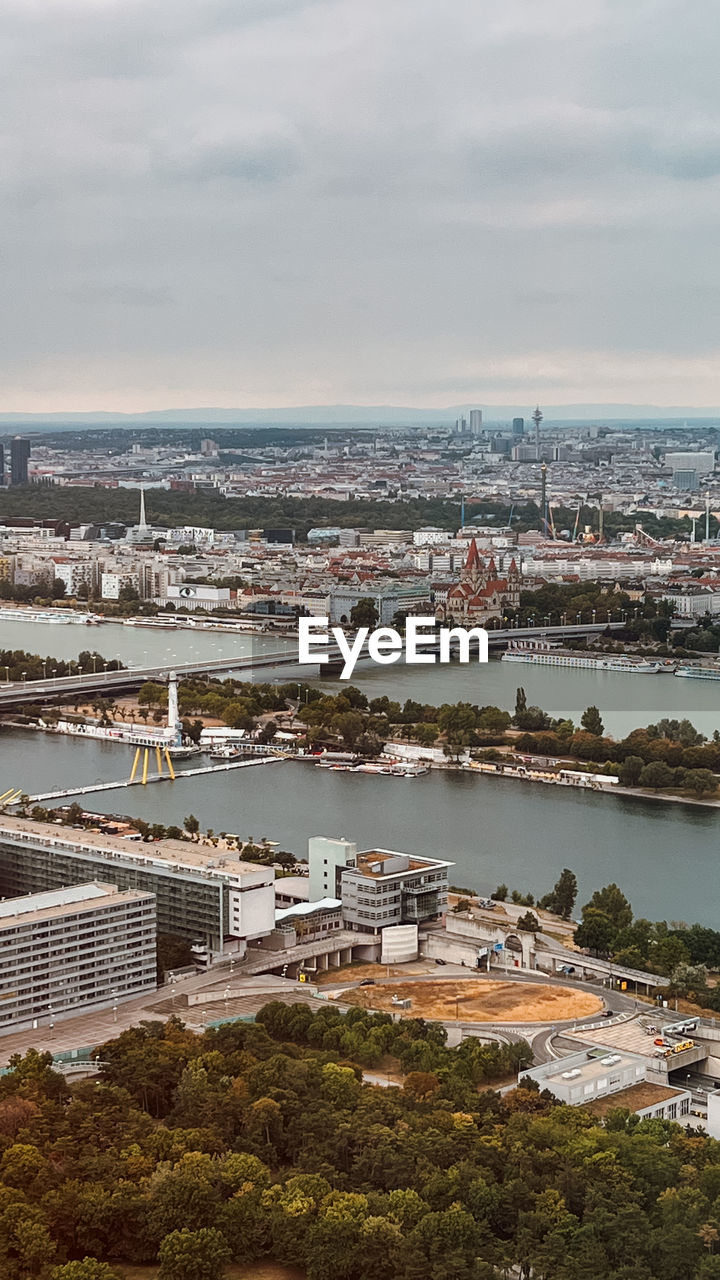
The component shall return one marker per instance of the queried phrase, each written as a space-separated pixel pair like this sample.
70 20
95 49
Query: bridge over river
63 688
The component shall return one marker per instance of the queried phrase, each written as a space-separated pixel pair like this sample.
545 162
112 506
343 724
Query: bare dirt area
472 1000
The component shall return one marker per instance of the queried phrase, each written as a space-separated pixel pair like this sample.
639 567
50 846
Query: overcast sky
278 202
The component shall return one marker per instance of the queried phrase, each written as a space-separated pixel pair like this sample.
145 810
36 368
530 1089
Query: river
493 829
663 856
625 701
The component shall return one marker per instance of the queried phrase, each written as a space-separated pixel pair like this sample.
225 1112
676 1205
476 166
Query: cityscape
360 641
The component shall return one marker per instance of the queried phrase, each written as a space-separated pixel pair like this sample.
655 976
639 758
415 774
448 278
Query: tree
520 701
500 894
596 932
612 901
630 770
191 825
529 923
657 775
193 1255
364 614
591 722
562 898
87 1269
701 781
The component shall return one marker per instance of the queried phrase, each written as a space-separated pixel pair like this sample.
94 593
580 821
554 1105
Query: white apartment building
71 950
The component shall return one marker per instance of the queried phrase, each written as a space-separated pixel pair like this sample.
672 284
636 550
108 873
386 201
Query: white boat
545 656
698 673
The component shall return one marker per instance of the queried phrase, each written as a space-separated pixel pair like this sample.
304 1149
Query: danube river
625 701
493 829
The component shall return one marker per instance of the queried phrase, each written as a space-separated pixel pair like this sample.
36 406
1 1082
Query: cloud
288 200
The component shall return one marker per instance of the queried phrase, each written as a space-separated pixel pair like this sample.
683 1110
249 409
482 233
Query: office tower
476 423
19 457
518 426
460 426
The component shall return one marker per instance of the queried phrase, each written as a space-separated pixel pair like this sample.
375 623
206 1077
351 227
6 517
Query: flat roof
167 854
58 903
592 1067
367 857
636 1097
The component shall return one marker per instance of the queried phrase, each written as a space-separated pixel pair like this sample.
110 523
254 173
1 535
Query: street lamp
115 1005
24 675
227 993
7 675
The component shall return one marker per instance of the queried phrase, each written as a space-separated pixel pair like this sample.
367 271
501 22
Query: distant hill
363 415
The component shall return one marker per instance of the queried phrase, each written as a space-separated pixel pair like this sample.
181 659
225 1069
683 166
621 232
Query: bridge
104 682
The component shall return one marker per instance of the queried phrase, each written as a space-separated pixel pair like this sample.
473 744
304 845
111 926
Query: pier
154 777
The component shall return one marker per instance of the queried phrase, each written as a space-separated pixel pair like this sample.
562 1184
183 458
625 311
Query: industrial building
209 897
72 950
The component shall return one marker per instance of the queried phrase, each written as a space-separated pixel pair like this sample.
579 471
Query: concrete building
73 950
379 887
386 888
327 858
602 1078
209 897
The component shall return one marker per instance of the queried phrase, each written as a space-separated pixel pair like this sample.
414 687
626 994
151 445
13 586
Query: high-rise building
518 426
476 423
66 951
19 458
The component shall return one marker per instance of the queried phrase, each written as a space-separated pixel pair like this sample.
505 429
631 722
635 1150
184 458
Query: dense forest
209 508
262 1141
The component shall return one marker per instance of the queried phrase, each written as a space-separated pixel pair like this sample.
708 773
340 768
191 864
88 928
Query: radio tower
537 419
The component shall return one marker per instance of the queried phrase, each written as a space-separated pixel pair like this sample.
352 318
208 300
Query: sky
424 202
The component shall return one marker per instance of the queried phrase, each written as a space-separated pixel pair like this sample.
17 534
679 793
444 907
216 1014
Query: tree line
262 1141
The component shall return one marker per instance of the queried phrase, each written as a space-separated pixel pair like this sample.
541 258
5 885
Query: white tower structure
142 527
173 716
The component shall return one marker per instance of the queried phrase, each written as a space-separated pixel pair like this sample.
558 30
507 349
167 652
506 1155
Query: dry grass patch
475 1000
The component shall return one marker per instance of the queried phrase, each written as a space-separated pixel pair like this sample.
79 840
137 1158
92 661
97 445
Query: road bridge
65 688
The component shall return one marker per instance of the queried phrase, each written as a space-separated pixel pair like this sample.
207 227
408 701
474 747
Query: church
480 596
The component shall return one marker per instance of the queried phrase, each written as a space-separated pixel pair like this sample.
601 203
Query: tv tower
537 419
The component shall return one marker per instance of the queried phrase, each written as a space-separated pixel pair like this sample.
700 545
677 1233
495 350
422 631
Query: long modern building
202 894
73 950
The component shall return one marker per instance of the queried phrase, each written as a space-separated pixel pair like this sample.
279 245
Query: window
685 1107
672 1111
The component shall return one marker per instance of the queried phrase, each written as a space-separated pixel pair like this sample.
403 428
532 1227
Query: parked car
439 961
368 982
567 969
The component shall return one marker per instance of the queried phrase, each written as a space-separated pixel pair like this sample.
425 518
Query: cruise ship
699 673
545 655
